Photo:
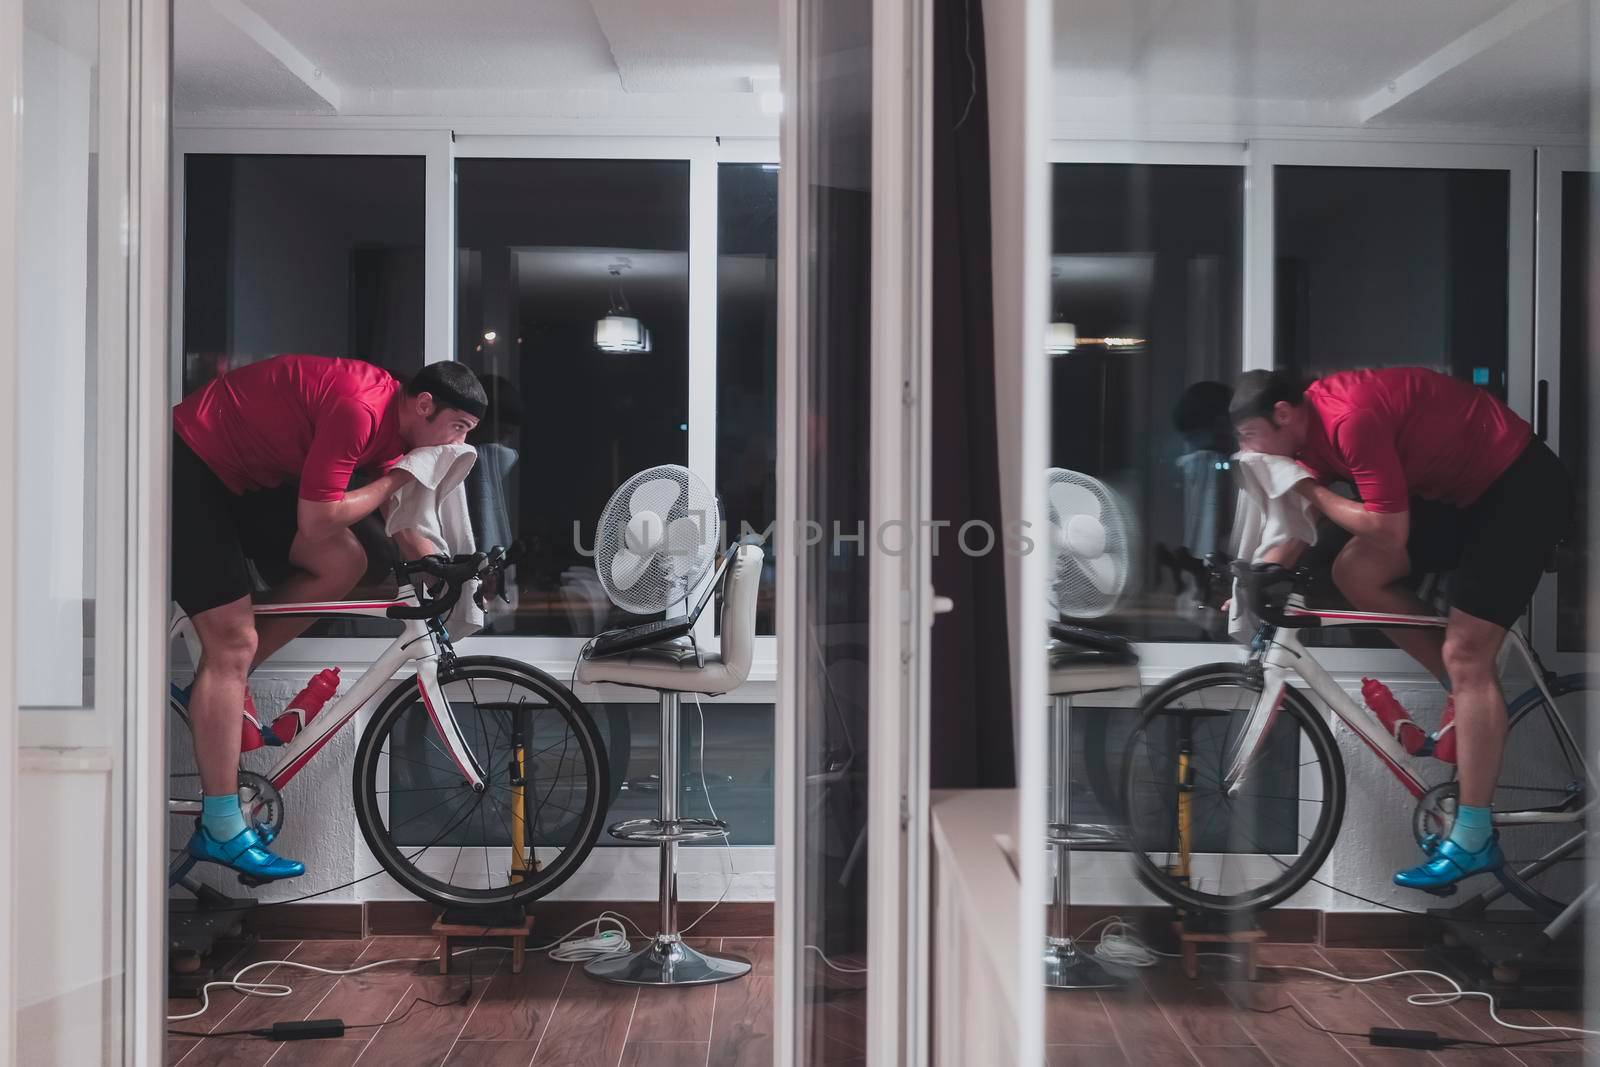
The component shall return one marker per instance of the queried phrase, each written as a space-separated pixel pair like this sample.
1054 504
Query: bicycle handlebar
454 572
1265 589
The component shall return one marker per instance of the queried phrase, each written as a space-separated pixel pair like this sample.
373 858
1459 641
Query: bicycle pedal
252 882
1441 891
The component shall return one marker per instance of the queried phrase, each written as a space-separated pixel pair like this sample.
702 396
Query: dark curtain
972 743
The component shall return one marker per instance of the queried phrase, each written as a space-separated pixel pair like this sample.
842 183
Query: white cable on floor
1429 999
835 966
275 989
1119 944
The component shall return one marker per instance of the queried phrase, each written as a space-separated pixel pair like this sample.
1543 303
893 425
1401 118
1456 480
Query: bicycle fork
1275 668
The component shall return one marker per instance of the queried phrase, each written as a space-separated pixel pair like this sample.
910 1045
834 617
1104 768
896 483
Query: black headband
446 397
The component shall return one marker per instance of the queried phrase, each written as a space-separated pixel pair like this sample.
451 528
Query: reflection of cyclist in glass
261 467
1407 432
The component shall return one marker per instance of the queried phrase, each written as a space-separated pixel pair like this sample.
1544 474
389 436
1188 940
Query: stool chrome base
667 961
1066 967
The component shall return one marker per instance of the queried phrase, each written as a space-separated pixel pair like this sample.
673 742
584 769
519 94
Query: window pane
314 254
1572 580
1152 254
747 358
63 261
307 254
546 248
1391 266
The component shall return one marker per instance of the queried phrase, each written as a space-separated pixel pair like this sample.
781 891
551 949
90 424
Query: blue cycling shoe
245 853
1450 864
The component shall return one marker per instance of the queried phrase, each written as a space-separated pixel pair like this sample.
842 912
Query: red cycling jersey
294 418
1408 431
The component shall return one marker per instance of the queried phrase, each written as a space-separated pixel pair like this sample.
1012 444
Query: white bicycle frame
1286 657
417 643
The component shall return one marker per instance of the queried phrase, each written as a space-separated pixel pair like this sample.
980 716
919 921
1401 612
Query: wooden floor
554 1014
550 1014
1167 1019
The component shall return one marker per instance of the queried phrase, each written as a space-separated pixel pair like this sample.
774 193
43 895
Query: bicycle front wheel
1200 846
546 776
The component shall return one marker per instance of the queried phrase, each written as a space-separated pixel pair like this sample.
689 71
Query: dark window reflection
546 248
747 358
311 254
1572 627
738 762
1382 267
835 194
1151 258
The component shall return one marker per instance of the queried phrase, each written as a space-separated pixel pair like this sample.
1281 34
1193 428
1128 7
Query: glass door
83 150
853 595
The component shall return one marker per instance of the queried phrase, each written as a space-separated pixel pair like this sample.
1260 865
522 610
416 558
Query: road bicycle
479 781
1234 787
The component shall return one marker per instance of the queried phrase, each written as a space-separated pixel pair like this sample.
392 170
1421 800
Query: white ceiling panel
1536 79
691 45
217 66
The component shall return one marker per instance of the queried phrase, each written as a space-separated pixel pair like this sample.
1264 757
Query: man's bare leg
1471 649
323 570
227 643
1367 574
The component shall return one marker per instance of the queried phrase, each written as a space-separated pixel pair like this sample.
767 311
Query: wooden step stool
517 933
1192 939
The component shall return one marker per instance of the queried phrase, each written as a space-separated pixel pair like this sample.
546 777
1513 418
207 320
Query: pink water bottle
1393 715
304 707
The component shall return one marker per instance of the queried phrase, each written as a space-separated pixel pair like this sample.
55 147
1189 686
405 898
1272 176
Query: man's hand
413 545
321 519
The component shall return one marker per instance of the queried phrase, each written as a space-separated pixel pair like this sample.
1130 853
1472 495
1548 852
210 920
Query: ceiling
423 57
1507 64
1503 64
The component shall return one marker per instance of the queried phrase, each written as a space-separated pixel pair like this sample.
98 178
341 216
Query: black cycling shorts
1499 546
215 531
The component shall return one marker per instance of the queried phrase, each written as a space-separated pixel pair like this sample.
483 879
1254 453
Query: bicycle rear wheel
1199 847
546 776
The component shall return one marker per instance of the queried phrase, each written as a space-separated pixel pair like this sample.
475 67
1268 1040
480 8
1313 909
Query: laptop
657 631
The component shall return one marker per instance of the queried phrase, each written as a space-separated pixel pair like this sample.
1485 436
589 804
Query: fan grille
1092 537
657 538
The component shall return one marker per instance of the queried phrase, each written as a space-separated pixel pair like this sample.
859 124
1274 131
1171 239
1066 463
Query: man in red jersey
1407 433
261 468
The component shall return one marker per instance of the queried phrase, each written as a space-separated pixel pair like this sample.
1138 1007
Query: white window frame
1553 164
1159 660
441 149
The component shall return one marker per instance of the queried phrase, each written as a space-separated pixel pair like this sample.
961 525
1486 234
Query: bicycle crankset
262 804
1434 815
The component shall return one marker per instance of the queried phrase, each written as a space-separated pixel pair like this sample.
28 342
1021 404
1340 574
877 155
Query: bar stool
1081 661
672 669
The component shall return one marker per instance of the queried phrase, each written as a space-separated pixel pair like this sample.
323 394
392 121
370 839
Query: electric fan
657 538
1091 538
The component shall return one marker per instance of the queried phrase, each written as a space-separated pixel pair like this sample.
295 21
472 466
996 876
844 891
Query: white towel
435 506
1268 513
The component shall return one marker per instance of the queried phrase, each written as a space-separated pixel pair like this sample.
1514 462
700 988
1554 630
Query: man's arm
1390 528
321 519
